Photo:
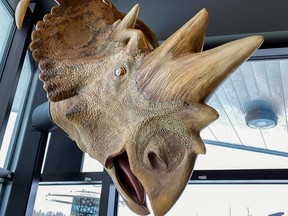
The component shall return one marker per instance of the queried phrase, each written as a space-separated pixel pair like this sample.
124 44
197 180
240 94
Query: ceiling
255 84
226 17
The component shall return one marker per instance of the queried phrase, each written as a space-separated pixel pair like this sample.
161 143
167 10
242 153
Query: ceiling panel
255 84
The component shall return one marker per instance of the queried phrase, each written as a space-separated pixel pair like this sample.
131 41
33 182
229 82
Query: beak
162 188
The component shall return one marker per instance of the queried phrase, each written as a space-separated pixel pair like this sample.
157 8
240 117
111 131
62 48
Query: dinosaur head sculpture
134 106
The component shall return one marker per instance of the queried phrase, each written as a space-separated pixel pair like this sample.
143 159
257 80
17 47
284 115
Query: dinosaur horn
125 31
203 72
189 38
130 19
200 73
20 12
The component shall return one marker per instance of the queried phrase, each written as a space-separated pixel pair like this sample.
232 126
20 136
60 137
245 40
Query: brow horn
200 73
208 69
189 38
129 21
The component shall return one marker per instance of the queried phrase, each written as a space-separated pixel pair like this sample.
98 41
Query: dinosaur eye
120 71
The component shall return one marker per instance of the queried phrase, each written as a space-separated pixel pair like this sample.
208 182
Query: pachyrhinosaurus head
134 106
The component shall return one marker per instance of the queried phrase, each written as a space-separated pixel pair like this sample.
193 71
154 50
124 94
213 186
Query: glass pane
223 158
67 200
14 118
6 22
230 200
256 200
251 131
91 165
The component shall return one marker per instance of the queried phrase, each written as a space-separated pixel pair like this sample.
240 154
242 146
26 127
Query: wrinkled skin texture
135 107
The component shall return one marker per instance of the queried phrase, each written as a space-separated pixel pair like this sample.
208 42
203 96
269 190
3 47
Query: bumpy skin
136 107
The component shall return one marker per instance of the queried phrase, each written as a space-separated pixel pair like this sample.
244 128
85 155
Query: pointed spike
199 146
189 38
137 42
208 69
149 34
130 19
20 12
200 73
198 116
205 116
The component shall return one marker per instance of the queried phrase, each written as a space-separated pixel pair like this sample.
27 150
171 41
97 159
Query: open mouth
128 181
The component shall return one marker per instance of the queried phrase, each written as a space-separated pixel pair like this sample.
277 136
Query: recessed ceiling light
261 118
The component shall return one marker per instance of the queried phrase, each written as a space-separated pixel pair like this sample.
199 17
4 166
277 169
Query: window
15 114
65 200
230 200
6 22
223 158
258 85
91 165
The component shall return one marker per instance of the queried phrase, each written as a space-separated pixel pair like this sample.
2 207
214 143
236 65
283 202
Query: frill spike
199 146
198 116
137 41
20 12
130 19
125 31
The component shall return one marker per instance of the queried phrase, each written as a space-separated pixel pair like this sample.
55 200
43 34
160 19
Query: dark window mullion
12 4
11 74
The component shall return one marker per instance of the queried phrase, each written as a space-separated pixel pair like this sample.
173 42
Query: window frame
15 54
10 38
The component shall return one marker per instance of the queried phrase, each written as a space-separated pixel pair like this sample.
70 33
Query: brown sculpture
135 107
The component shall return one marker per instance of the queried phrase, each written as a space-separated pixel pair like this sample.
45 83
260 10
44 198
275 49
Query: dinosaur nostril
156 162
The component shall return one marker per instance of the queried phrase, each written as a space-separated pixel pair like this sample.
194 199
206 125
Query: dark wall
226 16
63 155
